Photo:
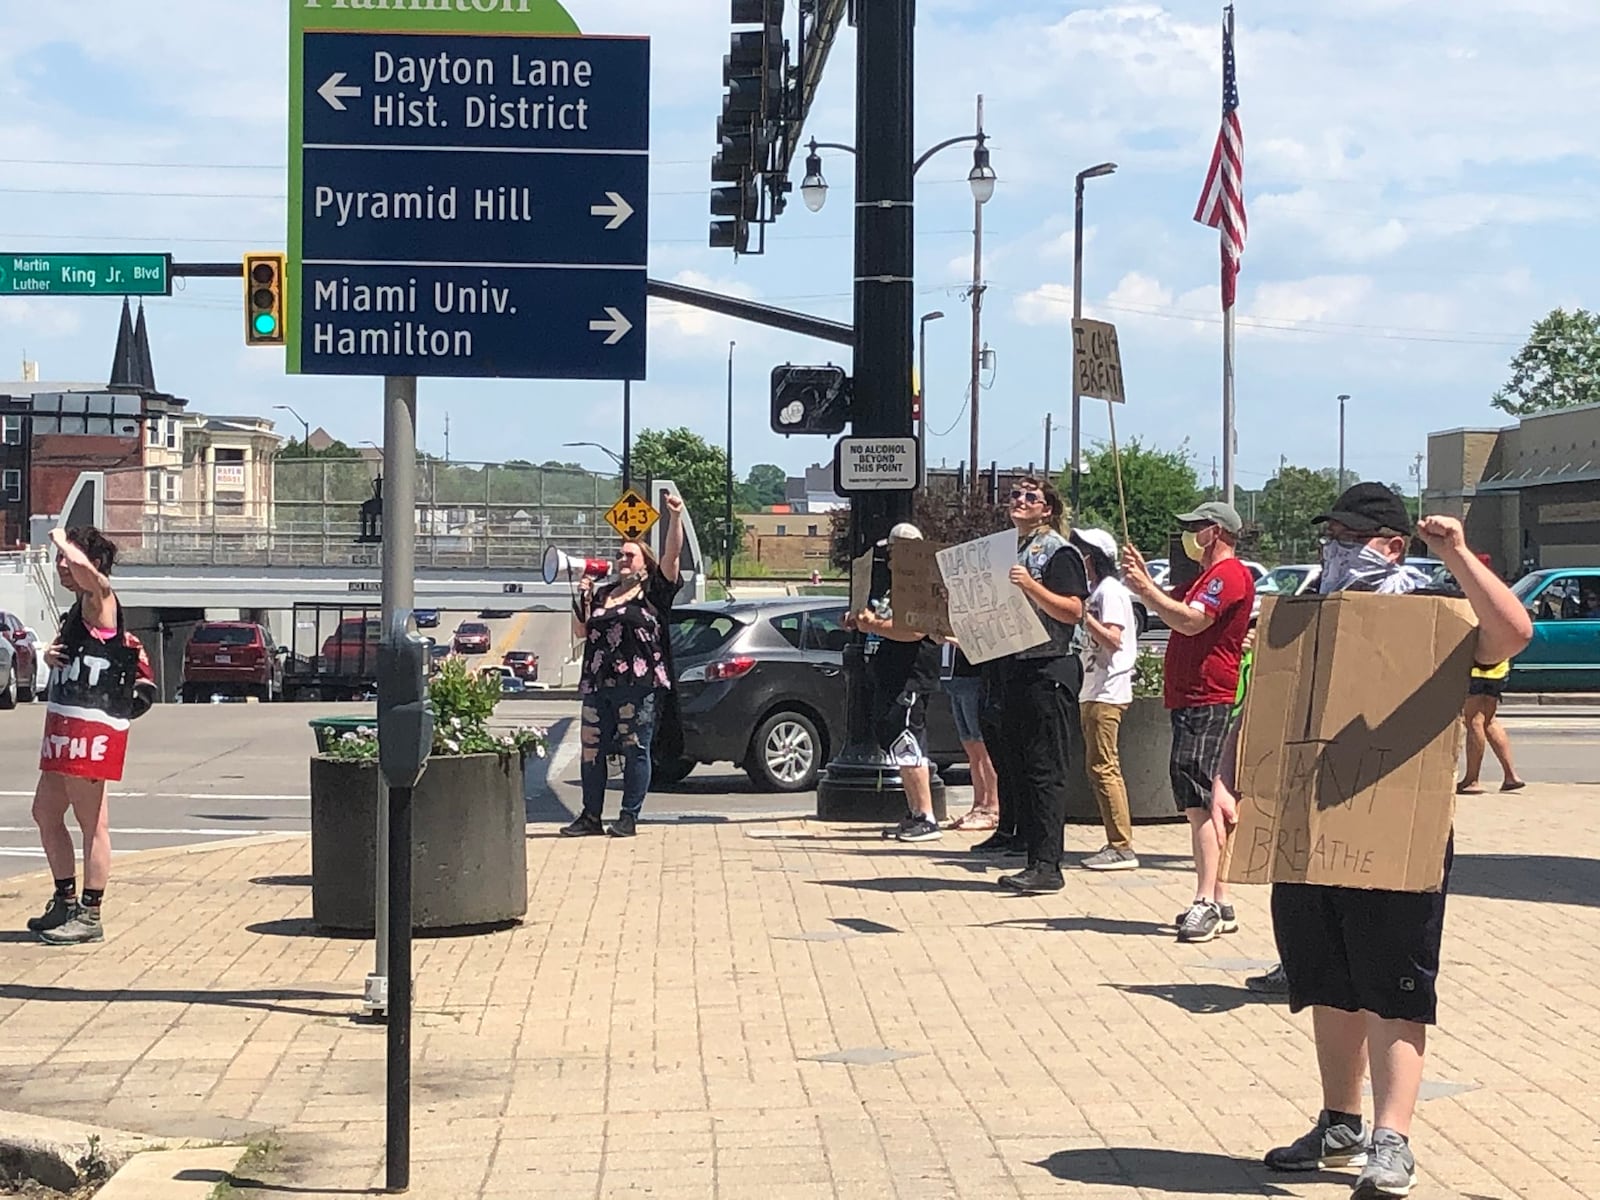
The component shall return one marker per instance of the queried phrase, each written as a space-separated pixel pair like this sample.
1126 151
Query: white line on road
117 830
171 796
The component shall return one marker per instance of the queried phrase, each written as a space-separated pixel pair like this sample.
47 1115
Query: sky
1421 177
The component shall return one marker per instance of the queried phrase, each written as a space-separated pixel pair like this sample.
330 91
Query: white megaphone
558 563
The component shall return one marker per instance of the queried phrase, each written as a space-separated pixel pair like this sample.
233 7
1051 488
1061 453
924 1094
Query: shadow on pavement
282 880
1543 878
1082 925
862 925
1185 1172
263 999
305 927
1202 999
241 1184
910 883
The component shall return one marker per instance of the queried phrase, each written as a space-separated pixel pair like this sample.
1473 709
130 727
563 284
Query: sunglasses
1027 497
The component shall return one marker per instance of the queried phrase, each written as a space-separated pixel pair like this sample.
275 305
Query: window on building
11 485
174 487
811 531
154 486
11 430
783 531
171 424
153 434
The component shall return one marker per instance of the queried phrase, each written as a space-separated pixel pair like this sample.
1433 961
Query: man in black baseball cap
1366 961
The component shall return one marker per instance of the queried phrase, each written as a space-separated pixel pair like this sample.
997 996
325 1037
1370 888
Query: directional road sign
470 199
85 275
632 516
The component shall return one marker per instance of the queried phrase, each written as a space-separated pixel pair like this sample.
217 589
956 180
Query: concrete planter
1144 747
469 858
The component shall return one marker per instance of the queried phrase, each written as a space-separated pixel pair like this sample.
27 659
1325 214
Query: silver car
8 675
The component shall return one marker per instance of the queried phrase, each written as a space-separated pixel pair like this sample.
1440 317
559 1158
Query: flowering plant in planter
462 705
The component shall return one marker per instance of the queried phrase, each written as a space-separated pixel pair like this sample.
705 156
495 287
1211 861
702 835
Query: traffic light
753 107
264 286
810 399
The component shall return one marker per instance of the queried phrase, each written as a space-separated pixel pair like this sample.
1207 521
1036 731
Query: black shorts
1362 950
899 726
1197 737
1486 687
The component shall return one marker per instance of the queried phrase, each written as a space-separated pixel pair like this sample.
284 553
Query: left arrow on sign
334 90
619 210
616 325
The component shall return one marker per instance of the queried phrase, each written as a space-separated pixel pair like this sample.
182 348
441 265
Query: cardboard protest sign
861 581
1097 359
921 603
988 614
1348 748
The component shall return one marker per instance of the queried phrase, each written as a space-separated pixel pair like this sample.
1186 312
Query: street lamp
1342 398
305 442
922 389
981 179
1094 172
606 450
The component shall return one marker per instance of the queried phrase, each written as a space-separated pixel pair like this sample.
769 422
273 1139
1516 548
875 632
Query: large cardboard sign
1349 742
1097 358
920 600
990 617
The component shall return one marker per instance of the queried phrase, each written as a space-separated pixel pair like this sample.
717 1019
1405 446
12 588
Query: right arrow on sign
334 90
619 210
613 323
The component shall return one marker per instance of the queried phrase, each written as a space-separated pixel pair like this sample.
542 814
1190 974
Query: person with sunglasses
1032 695
1209 622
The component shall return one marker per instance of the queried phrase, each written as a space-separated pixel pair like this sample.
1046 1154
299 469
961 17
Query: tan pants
1101 726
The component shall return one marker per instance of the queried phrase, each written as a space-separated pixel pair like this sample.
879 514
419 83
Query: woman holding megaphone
623 626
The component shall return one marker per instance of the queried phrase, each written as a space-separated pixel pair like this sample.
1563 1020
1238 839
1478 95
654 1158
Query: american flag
1222 200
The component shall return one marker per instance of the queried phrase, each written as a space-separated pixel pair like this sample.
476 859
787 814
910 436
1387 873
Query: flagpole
1229 439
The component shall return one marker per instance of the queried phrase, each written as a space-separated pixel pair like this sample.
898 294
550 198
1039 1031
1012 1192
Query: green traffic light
266 324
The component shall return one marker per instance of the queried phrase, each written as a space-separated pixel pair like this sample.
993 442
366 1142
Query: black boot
584 826
1040 877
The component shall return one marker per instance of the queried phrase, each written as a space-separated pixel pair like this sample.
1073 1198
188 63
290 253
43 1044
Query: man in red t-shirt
1209 622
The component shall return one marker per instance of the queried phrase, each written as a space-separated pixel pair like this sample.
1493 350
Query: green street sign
85 275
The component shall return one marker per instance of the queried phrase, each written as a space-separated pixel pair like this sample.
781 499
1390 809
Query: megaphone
558 563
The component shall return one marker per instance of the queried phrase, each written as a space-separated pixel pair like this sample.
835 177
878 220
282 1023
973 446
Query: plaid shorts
1197 738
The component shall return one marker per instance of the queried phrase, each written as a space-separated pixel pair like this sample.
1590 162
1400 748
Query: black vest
100 676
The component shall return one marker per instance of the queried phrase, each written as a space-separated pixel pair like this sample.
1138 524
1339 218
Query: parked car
8 675
1564 655
760 683
231 658
426 618
436 655
524 664
472 637
25 654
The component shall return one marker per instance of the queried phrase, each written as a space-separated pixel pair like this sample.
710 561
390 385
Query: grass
260 1154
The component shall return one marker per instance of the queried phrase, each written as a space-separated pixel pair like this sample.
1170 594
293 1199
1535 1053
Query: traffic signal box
752 109
264 284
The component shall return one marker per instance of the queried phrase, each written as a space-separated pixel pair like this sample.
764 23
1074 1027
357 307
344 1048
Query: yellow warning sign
631 516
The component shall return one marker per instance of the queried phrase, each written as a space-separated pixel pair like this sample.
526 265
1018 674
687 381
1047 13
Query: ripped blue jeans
620 720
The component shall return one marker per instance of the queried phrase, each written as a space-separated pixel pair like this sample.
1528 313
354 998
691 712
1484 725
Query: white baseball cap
1099 539
905 531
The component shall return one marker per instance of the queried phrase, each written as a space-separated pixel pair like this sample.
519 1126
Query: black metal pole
727 542
627 434
859 783
397 1160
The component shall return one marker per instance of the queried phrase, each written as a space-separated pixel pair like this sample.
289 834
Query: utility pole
977 316
1048 417
1417 471
1214 492
1342 399
627 434
447 437
860 783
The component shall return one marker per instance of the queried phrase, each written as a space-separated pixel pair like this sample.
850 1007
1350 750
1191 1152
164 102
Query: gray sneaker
1327 1144
1229 923
84 927
1112 859
920 829
1391 1168
1201 923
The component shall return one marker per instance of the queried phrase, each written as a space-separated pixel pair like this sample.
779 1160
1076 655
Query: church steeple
145 369
125 359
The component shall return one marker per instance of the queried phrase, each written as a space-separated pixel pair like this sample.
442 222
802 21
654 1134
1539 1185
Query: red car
472 637
231 658
524 664
25 660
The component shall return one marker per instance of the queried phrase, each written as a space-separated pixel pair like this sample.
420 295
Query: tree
1157 483
766 485
700 470
1558 368
945 517
1289 501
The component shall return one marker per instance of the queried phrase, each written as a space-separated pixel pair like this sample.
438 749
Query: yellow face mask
1192 546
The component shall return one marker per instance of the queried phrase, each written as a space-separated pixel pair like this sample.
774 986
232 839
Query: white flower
455 722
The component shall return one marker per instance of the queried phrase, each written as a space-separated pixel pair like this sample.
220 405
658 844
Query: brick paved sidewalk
791 1010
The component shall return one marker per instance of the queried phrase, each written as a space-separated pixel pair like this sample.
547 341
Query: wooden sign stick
1116 458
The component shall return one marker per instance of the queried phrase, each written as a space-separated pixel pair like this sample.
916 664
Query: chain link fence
483 515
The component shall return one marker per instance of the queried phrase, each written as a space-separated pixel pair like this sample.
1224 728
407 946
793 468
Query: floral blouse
626 646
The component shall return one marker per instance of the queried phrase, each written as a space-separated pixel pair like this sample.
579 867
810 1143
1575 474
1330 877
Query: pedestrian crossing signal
264 298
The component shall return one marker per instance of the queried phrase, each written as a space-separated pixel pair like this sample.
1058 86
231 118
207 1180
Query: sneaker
1112 859
1391 1168
1327 1144
584 826
1273 983
83 927
920 829
1040 877
1229 923
58 912
996 843
626 825
1201 923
